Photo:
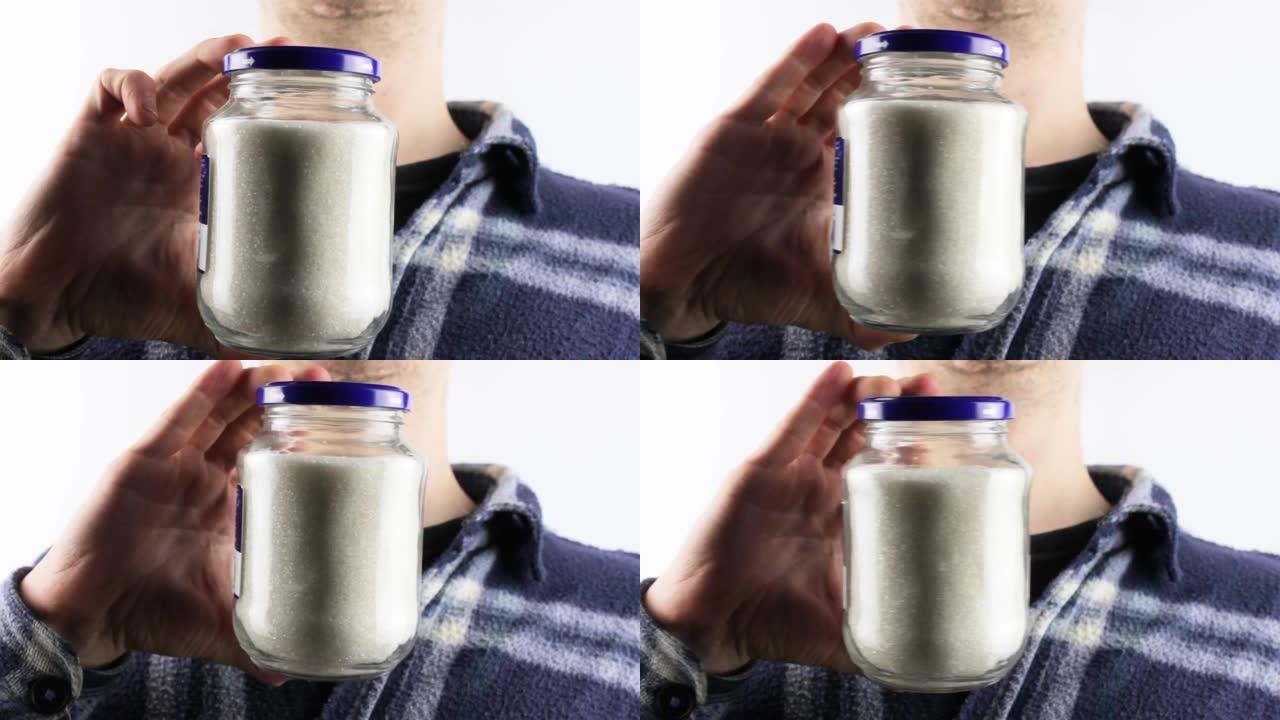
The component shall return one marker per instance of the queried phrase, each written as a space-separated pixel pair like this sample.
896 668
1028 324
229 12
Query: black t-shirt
418 181
1051 553
1049 186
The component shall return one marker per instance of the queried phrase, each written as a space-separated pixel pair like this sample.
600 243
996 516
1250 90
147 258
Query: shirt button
49 694
675 701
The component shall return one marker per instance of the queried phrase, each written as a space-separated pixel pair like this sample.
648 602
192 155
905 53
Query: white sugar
933 219
331 561
937 579
300 228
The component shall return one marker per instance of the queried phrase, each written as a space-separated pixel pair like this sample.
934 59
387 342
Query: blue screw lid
944 41
944 407
333 393
301 57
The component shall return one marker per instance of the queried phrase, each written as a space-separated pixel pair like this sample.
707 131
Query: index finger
844 415
182 419
182 78
240 432
779 82
188 122
805 420
852 440
241 398
834 79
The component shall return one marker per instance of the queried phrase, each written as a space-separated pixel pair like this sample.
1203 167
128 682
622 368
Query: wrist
704 633
34 326
84 628
673 316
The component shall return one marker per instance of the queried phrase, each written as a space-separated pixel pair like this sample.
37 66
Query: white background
568 428
1208 70
1205 430
568 68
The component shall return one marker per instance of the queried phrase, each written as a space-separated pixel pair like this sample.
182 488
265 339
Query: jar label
837 215
237 561
202 231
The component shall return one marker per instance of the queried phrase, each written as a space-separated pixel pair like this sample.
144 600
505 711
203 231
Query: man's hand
761 576
146 563
740 230
105 244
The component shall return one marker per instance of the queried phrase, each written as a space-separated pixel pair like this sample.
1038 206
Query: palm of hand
168 524
141 277
761 203
787 521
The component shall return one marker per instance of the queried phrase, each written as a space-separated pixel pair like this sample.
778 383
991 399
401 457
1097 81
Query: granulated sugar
300 231
331 560
936 586
933 224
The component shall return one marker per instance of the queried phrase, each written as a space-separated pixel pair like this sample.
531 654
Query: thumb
263 676
131 92
836 321
920 385
224 649
824 313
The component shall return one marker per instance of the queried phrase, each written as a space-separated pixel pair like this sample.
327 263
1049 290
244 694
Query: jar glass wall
329 523
936 546
297 214
928 234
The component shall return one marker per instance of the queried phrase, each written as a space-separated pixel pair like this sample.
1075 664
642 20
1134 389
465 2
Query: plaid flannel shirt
517 623
507 260
1148 622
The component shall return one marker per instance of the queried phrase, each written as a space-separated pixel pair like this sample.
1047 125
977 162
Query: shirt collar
507 516
501 147
1142 515
1141 150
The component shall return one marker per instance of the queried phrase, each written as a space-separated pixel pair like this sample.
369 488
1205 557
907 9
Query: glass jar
927 236
936 557
297 205
328 551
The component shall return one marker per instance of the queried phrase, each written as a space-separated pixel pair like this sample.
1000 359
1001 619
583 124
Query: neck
1047 436
424 430
411 92
1045 76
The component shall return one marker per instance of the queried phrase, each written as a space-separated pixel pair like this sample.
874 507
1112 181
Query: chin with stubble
348 23
1023 379
1011 20
418 377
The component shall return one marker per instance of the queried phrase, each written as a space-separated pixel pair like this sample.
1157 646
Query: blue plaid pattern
507 260
1146 260
517 623
1148 622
